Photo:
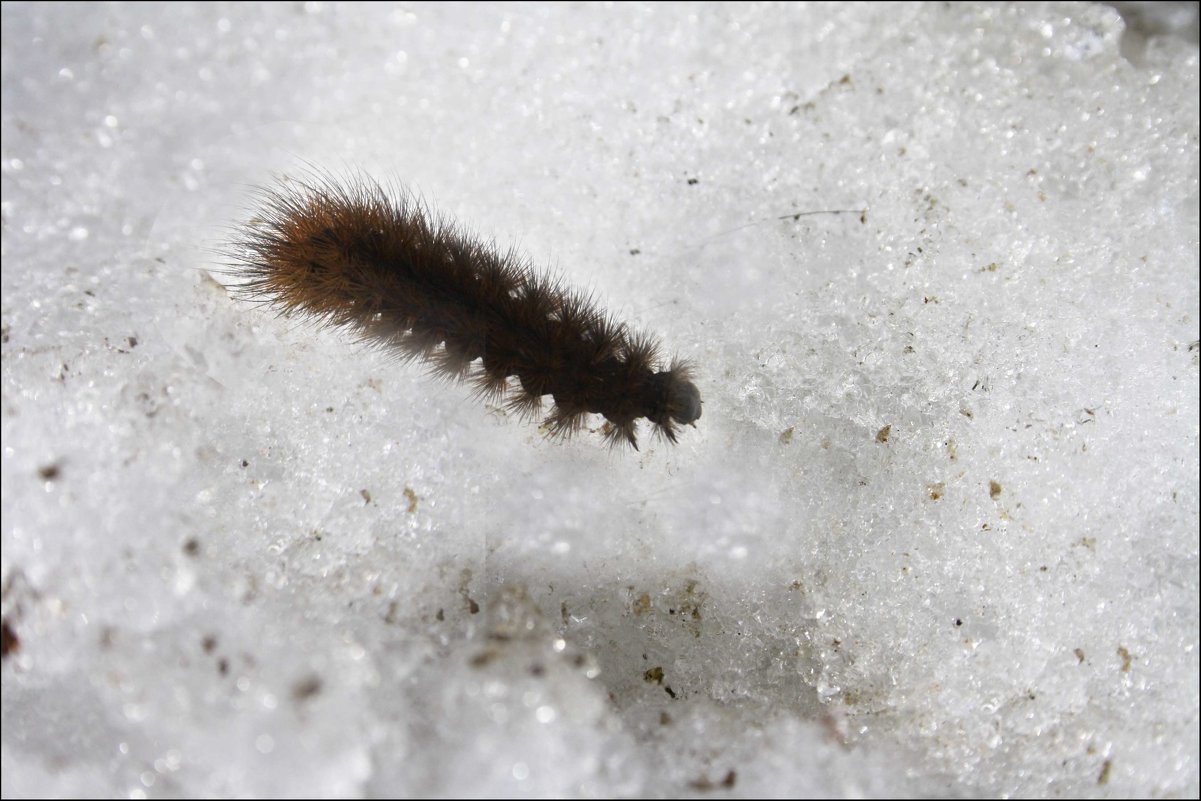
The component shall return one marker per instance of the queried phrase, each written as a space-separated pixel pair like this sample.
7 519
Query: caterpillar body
386 268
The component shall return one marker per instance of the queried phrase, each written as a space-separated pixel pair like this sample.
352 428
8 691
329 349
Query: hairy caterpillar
399 277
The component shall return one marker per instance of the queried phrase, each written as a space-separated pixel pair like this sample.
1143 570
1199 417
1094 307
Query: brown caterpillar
399 277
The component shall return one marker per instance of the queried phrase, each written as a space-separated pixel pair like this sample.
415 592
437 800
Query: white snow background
935 534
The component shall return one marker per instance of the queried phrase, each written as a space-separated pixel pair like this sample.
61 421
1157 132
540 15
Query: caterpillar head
677 400
683 399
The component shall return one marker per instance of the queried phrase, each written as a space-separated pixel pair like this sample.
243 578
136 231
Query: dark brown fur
397 276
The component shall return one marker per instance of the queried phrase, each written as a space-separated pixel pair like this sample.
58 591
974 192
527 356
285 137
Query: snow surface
935 534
